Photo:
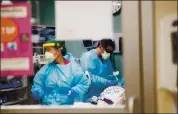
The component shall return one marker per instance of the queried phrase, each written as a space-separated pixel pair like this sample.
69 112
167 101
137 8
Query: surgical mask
105 55
49 56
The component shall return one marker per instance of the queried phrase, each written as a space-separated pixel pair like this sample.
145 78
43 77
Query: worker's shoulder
48 65
89 54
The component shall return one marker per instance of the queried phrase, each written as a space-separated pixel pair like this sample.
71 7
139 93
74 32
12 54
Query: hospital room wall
47 12
117 58
47 18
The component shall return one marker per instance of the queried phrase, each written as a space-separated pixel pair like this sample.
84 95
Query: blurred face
51 50
105 53
109 49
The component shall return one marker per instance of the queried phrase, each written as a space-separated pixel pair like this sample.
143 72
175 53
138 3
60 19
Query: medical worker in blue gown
97 63
61 81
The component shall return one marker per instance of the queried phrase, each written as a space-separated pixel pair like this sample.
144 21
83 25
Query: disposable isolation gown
101 73
53 82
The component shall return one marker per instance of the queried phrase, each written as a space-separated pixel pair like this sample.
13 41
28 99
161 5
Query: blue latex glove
37 95
121 81
71 94
112 83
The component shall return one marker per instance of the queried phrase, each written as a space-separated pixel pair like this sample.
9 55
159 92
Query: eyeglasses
108 51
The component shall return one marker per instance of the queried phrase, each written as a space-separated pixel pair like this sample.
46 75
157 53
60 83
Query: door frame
135 65
132 55
139 43
149 52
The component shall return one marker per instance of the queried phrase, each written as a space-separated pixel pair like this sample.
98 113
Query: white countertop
62 109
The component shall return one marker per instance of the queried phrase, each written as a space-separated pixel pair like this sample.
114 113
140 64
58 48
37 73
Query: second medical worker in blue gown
61 81
97 63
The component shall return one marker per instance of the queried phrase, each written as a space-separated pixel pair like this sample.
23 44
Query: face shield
49 55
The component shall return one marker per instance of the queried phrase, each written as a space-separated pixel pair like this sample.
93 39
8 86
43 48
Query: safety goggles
108 51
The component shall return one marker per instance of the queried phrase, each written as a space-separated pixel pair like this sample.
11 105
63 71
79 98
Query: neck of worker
60 60
98 51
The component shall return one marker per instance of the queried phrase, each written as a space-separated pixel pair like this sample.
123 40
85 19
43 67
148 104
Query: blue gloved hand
37 95
71 94
122 83
112 83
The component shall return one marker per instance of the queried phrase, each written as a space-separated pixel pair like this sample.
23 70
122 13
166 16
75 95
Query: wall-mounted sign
79 20
16 45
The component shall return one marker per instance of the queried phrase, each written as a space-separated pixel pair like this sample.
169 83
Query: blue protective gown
101 72
53 82
69 56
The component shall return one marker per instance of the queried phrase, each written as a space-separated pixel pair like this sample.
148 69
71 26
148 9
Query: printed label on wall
15 38
14 12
